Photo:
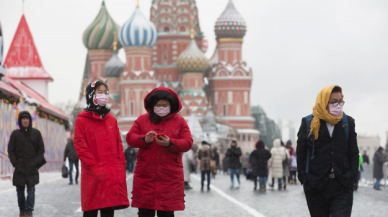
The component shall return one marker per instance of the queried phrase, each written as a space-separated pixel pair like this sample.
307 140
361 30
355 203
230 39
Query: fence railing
367 175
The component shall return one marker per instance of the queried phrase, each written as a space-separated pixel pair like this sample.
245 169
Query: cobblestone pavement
54 197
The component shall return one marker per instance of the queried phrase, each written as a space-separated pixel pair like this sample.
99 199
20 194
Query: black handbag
65 172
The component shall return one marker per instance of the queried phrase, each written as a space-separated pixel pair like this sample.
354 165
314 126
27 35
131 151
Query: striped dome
114 66
99 35
138 31
192 59
230 24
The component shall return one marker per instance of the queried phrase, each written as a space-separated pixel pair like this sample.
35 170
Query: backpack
345 124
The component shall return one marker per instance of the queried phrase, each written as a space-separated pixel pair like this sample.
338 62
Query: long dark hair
154 98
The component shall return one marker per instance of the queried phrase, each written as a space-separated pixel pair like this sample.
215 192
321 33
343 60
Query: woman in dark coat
161 135
378 162
97 141
234 153
259 161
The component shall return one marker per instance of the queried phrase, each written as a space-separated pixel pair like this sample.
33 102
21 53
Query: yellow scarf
320 112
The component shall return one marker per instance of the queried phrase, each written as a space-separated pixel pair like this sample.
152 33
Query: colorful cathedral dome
230 24
99 35
114 66
192 59
138 31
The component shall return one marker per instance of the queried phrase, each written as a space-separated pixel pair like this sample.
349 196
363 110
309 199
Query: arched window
224 110
166 29
131 108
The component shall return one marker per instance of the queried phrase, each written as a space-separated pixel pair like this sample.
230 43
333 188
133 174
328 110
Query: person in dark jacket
216 159
259 161
365 158
334 157
205 154
378 162
234 164
73 159
130 157
26 153
225 165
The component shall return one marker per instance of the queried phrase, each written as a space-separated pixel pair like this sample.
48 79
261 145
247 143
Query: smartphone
160 135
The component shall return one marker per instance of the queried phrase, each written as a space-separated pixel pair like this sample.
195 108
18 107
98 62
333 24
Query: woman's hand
163 141
150 137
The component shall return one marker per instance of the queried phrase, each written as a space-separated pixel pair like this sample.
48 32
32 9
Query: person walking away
365 158
216 159
259 161
26 153
293 168
327 156
245 163
225 166
286 168
234 165
205 154
275 163
378 163
188 161
97 140
73 159
130 157
161 135
290 151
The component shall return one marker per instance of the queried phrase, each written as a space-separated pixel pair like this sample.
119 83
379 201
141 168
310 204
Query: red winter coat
158 182
98 145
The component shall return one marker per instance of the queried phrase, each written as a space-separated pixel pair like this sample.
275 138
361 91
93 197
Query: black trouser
151 213
203 173
26 205
333 201
292 176
106 212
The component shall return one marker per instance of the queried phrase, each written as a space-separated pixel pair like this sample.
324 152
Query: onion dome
114 66
192 59
99 35
138 31
204 45
230 24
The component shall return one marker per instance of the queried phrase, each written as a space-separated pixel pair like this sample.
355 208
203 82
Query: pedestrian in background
205 154
293 168
216 159
378 163
286 167
97 140
360 169
73 159
234 165
26 153
225 165
245 163
365 158
327 155
188 161
259 161
278 156
161 135
130 157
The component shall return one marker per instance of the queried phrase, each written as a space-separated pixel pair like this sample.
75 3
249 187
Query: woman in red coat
98 144
158 183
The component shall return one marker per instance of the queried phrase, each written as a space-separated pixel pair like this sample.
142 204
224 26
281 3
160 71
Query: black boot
280 187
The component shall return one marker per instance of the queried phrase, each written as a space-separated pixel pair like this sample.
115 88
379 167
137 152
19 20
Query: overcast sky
295 48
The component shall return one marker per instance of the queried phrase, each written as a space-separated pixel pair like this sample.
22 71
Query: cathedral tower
230 78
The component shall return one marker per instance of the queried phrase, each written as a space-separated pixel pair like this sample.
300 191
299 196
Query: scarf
320 112
91 101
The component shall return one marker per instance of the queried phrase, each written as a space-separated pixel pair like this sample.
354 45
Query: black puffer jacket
26 153
70 152
233 155
259 160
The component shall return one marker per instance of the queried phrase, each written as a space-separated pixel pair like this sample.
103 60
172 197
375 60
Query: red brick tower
230 78
138 35
172 19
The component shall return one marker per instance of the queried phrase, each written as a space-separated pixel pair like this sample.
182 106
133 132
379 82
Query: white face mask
162 111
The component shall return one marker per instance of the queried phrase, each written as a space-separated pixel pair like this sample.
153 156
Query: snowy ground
54 197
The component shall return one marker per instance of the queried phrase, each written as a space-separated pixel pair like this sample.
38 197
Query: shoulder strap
309 118
345 124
